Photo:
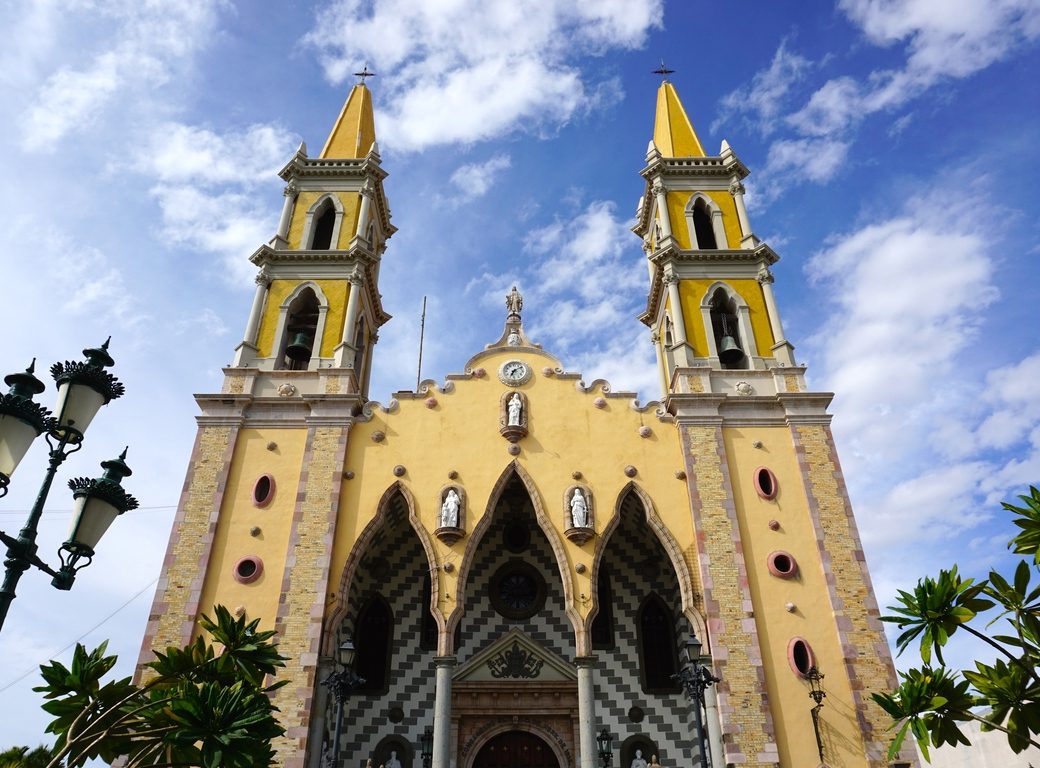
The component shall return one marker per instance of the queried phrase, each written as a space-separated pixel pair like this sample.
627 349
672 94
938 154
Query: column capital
445 661
263 277
765 277
585 661
669 278
291 189
356 276
736 188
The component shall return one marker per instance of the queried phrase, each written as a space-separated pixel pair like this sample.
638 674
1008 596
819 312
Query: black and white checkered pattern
637 567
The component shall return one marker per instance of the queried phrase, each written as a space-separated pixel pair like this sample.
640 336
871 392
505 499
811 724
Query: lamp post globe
83 387
22 420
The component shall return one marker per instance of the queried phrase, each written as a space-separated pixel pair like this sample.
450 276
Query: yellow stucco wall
336 293
567 433
238 515
304 201
812 618
692 292
677 201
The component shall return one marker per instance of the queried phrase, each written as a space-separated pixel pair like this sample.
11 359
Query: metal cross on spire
365 73
663 71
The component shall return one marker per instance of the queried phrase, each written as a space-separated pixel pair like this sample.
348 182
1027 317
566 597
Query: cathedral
533 571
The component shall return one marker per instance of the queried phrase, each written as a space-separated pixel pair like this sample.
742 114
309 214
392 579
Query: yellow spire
673 131
355 130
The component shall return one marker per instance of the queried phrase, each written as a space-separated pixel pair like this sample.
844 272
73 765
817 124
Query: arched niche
514 472
304 310
322 224
704 223
720 291
395 505
633 500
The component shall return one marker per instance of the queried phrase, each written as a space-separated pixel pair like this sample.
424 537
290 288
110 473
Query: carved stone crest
513 413
451 515
515 662
578 514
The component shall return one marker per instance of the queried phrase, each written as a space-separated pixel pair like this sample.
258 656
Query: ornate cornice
760 254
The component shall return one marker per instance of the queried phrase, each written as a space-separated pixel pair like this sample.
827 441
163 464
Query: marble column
662 211
748 239
246 351
713 726
782 349
281 240
586 711
442 712
346 344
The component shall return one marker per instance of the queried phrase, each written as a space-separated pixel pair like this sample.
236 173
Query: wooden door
516 749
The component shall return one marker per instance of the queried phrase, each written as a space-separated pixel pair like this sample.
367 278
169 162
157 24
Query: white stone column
347 337
586 712
662 211
442 712
748 239
678 321
782 349
246 351
366 210
281 240
713 726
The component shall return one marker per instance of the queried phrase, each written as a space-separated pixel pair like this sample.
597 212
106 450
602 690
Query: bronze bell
729 351
300 348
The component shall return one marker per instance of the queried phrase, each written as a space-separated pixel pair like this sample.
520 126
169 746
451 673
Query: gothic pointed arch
396 503
515 471
302 314
633 498
322 223
721 298
704 222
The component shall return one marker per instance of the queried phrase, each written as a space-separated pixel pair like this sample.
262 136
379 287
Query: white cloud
469 70
473 180
152 40
763 100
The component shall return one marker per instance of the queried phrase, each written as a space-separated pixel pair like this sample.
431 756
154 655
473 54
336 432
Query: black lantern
426 747
83 387
340 683
604 742
695 678
346 652
817 694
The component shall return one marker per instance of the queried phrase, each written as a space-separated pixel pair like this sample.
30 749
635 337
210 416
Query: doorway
516 749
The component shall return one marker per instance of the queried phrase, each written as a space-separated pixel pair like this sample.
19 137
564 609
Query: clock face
514 372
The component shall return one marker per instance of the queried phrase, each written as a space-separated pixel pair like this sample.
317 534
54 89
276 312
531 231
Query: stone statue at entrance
392 761
579 510
515 407
653 761
638 761
449 519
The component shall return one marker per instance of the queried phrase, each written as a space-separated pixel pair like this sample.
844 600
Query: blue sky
893 153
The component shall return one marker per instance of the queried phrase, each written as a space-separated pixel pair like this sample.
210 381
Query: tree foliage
203 705
24 757
932 702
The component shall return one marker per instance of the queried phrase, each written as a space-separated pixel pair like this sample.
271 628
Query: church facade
519 556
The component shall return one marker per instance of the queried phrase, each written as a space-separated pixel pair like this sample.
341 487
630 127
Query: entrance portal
516 749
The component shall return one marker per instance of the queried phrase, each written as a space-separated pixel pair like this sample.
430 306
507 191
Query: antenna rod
422 332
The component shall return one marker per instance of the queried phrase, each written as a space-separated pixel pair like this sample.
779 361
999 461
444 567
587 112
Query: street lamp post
340 684
604 742
817 694
695 679
426 747
83 387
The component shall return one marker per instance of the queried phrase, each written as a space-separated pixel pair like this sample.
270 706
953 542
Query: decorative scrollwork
516 662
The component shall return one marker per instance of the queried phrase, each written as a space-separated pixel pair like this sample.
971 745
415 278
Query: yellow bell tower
316 307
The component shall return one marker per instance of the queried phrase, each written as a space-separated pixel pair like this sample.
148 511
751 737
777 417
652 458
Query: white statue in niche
393 762
449 515
579 510
515 406
638 761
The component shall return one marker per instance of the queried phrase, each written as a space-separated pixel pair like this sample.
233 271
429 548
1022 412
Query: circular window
263 490
782 564
765 483
517 590
800 656
248 569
